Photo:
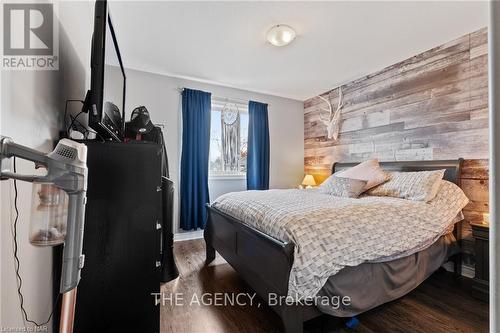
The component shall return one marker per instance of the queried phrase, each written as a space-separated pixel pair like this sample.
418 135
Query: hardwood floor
440 304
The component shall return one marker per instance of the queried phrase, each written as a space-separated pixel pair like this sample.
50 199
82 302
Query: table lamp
308 181
486 218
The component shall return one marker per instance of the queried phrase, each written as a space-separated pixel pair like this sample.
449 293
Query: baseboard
467 271
188 235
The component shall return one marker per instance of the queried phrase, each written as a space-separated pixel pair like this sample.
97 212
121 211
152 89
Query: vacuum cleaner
59 193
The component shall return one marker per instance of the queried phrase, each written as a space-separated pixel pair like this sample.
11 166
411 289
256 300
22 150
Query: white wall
32 103
29 116
162 98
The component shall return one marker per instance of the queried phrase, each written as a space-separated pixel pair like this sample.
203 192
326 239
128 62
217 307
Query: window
228 139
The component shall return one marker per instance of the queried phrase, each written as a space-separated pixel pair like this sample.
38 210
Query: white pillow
418 186
342 187
370 171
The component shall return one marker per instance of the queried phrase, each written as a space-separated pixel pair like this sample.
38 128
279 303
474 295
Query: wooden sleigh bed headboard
453 167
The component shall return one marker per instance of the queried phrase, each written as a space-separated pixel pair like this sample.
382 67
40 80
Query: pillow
342 187
370 171
417 186
450 200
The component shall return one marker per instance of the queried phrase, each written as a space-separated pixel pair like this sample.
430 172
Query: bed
265 259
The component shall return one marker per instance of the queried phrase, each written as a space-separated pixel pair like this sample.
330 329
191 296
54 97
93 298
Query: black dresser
122 239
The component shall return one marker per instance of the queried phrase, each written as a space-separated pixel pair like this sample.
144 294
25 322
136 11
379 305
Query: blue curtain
194 159
258 147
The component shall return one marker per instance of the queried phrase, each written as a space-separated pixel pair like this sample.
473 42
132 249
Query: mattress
331 233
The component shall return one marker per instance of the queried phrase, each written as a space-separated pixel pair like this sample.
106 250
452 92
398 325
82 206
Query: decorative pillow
417 186
342 187
370 171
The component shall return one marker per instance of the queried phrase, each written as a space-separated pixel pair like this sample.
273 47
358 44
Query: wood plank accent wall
431 106
474 182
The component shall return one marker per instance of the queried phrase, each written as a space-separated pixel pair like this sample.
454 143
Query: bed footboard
262 261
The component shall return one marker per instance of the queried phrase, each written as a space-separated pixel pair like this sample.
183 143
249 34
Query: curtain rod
221 98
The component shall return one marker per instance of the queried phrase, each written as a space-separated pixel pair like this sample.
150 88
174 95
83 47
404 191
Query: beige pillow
418 186
370 171
342 187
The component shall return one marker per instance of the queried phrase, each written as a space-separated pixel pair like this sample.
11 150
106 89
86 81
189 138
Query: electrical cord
66 108
73 119
87 131
17 264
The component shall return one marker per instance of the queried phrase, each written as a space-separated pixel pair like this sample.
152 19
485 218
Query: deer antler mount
331 119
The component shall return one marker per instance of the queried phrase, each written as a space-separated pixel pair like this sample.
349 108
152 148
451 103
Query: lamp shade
308 181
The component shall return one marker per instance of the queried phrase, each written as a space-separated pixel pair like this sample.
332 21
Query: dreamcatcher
230 125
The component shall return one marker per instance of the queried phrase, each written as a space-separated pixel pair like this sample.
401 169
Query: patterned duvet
331 233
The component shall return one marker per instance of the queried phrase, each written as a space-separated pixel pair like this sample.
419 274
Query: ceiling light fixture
281 35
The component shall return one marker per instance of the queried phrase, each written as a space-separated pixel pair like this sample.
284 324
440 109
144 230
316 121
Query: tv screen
108 80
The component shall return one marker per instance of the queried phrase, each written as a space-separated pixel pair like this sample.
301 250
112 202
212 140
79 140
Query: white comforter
330 232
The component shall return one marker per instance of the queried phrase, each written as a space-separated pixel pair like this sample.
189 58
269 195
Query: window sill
226 177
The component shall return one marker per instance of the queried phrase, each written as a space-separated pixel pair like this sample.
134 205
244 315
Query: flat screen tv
106 97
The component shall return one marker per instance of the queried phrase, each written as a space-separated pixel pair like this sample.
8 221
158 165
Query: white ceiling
224 42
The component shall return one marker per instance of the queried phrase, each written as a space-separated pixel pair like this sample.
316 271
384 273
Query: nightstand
480 284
